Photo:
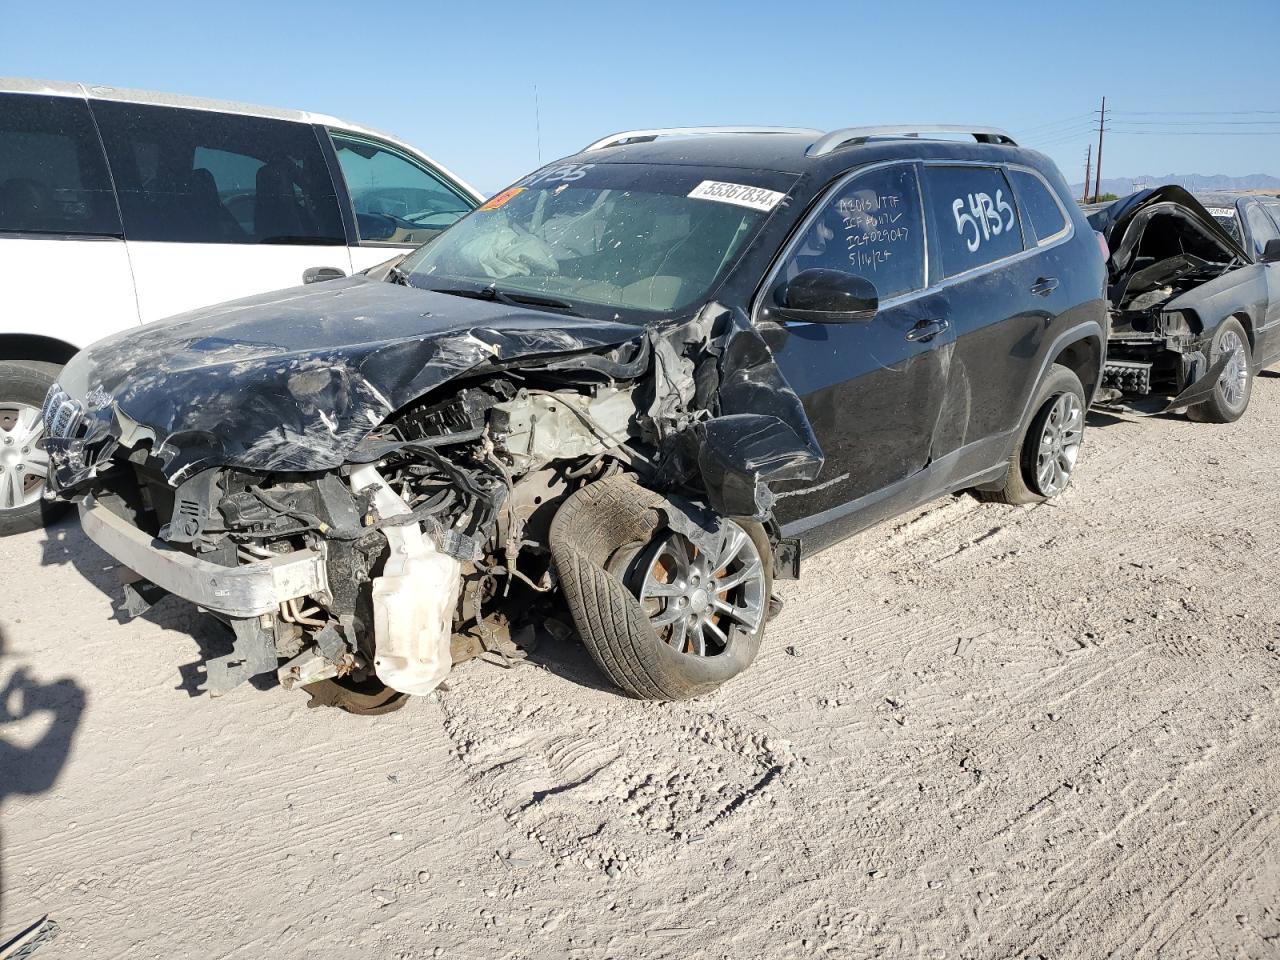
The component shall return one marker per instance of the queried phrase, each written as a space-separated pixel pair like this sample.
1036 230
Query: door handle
1044 286
319 274
928 329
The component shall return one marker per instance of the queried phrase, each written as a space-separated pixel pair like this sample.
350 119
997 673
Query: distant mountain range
1195 182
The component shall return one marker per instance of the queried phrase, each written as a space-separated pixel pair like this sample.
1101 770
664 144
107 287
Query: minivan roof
59 88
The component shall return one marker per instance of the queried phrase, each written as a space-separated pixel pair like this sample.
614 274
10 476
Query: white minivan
119 207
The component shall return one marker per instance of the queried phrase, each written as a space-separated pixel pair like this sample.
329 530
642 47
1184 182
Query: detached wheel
664 618
24 464
1046 456
1230 397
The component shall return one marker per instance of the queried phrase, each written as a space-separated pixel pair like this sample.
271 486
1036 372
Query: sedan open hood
294 380
1123 223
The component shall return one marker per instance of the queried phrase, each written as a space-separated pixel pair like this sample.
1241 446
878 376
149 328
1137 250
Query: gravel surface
978 731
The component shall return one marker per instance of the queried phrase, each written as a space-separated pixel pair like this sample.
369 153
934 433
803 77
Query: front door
218 206
872 389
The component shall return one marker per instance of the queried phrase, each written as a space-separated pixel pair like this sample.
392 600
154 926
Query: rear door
64 268
872 389
400 202
219 205
1004 290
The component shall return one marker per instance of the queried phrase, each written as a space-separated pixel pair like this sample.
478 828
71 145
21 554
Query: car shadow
32 767
66 543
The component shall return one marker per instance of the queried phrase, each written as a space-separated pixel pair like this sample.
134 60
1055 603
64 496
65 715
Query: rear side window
1039 209
396 199
53 177
871 228
973 210
196 176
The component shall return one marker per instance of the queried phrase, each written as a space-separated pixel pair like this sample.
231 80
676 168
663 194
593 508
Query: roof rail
857 135
645 136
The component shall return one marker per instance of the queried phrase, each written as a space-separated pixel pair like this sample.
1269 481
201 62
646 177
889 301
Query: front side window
604 239
973 210
1261 229
1038 206
396 199
197 176
53 176
871 228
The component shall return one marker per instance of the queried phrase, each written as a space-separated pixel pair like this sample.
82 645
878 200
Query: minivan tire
1059 390
23 385
595 535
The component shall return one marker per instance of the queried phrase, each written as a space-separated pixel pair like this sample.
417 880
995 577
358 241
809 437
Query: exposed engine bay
431 541
1170 284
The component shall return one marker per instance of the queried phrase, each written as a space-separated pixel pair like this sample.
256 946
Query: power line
1193 113
1197 123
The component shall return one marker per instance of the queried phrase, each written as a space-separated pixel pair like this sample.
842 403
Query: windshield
604 240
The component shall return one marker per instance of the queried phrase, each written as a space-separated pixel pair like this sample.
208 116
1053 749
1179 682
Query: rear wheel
1230 397
1045 457
24 464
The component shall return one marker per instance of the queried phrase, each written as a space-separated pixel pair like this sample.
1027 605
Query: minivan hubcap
698 602
1059 445
1235 375
24 464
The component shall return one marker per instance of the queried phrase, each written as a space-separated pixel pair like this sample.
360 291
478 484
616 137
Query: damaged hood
294 380
1122 223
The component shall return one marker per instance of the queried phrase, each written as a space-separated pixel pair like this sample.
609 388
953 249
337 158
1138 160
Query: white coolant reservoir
413 600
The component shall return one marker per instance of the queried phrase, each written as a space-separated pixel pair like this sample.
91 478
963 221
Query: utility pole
1088 157
1102 126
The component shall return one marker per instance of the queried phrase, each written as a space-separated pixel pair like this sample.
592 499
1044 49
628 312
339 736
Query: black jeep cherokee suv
641 383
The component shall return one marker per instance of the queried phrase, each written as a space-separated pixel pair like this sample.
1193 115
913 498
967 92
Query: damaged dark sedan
640 384
1195 313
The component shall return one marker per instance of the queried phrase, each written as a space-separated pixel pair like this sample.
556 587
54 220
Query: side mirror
1271 252
826 296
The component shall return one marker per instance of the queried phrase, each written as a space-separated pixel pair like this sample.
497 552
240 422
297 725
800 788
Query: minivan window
198 176
973 209
1039 208
871 228
53 177
396 199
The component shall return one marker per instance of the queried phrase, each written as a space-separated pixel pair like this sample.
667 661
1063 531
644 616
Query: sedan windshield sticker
506 196
737 193
1221 212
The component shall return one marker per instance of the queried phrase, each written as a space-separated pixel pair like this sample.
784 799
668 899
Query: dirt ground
977 732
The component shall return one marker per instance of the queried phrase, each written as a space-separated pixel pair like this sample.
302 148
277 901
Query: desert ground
976 732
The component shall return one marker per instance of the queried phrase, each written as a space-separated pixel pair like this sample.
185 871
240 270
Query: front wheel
665 618
1046 455
24 464
1230 397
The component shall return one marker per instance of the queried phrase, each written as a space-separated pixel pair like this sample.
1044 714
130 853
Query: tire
23 385
1023 482
1231 393
603 538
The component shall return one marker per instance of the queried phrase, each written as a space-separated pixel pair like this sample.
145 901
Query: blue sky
458 80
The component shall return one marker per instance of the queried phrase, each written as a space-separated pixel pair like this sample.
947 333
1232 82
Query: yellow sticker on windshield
494 202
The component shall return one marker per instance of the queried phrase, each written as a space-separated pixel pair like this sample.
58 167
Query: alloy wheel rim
1233 382
24 464
1059 444
701 602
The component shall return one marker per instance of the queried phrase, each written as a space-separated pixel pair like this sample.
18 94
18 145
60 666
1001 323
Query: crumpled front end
389 556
